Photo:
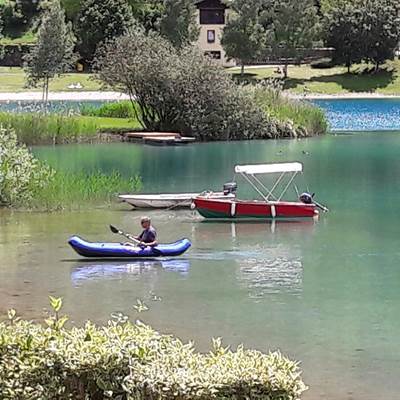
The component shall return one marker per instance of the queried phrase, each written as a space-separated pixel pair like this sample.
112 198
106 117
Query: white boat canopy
269 168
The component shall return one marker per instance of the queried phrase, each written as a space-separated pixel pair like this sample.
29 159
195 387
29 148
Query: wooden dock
158 138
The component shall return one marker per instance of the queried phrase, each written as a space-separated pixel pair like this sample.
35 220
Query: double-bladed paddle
132 238
122 233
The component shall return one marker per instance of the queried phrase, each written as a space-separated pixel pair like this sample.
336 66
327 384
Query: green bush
21 174
184 91
43 128
121 109
125 361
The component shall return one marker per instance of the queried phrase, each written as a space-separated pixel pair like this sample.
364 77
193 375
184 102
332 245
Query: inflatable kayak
119 250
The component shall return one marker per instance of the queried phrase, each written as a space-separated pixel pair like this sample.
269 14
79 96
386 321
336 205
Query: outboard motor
307 198
230 188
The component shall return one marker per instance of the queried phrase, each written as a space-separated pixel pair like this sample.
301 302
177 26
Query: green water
325 293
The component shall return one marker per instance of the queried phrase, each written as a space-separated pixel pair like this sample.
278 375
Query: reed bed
42 128
297 112
67 190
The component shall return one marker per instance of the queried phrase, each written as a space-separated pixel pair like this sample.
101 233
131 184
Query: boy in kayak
149 235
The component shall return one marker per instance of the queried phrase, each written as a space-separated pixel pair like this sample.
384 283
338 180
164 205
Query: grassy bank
304 79
40 128
13 80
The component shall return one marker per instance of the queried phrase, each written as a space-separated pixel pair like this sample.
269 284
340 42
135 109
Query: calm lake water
325 293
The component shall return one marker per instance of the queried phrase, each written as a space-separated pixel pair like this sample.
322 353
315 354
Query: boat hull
237 209
119 250
183 200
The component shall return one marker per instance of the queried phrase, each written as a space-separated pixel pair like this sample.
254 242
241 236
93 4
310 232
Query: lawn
332 80
301 79
13 80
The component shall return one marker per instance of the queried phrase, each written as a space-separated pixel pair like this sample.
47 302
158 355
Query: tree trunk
242 69
47 89
285 71
376 67
44 90
348 67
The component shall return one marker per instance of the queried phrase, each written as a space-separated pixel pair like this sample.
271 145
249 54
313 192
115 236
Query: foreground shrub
21 174
128 361
45 128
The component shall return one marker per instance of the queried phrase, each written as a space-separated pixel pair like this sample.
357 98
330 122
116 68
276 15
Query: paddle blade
114 229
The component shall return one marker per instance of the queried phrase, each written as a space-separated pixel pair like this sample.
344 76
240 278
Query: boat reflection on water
252 228
121 269
267 261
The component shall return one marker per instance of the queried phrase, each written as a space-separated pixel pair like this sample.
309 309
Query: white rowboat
170 200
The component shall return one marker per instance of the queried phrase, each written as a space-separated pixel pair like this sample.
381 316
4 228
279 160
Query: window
211 36
212 17
213 54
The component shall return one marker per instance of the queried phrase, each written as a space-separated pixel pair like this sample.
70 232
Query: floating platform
158 138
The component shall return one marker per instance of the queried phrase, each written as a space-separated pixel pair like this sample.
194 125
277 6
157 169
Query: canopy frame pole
278 181
270 192
287 186
246 176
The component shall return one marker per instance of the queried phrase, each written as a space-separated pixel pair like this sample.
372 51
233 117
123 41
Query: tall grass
67 190
285 109
41 128
121 109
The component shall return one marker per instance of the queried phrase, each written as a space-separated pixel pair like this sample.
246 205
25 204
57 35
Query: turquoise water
326 293
362 114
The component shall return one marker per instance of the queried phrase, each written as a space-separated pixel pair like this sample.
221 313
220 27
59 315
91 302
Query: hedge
126 361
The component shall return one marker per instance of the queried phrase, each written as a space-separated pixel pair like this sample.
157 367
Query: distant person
149 235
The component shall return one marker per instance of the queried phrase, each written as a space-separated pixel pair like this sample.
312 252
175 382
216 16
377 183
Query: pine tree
99 21
178 22
244 37
53 53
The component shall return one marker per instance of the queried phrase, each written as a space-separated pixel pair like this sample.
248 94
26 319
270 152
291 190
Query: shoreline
116 96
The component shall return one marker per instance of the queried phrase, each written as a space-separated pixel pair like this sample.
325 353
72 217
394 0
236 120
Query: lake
347 115
324 292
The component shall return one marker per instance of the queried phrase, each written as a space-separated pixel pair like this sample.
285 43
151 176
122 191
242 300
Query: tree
99 21
294 25
343 31
148 14
178 90
53 53
244 37
381 30
366 30
178 22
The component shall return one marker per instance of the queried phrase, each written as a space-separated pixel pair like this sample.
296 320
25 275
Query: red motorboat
271 206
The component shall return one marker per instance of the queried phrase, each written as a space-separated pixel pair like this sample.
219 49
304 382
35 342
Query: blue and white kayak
120 250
